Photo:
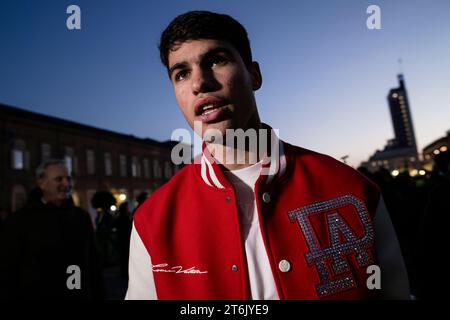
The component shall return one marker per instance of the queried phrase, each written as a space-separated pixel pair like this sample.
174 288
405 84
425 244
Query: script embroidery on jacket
164 267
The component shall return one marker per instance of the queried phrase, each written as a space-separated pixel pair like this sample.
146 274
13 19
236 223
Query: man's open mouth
210 108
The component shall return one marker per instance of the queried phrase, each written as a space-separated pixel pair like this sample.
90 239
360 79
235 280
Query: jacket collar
274 165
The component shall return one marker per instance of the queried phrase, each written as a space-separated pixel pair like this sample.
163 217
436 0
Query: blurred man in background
47 248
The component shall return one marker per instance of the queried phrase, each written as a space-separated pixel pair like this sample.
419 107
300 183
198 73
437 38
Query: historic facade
99 159
435 148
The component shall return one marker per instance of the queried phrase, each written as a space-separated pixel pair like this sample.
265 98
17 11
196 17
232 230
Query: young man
285 223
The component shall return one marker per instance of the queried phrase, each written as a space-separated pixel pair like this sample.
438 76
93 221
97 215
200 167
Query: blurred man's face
56 184
213 85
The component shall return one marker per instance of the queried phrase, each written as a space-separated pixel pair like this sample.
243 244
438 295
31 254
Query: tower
400 153
401 116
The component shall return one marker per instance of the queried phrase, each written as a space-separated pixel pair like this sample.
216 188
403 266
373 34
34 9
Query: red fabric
190 224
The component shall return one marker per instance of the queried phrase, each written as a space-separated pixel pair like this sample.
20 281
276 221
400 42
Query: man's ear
41 183
255 73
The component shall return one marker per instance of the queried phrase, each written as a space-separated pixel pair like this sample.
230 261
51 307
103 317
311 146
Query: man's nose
202 81
67 182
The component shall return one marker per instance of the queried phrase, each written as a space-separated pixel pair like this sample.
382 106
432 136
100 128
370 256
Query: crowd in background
419 208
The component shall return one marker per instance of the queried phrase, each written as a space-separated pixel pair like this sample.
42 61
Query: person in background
433 240
47 249
123 225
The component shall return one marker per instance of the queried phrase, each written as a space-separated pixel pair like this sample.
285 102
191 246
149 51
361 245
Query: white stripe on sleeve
141 285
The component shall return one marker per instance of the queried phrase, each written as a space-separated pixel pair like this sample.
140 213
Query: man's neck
233 156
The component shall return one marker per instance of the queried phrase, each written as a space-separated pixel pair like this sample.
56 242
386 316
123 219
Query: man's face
213 85
56 184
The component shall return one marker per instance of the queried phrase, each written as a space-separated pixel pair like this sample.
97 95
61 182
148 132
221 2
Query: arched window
19 155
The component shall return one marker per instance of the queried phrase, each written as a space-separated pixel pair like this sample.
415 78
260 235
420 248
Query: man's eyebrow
183 64
178 65
217 50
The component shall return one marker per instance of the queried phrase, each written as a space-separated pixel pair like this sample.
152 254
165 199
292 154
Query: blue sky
325 75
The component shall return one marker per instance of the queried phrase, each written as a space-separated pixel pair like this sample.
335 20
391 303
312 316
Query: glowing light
436 152
122 197
414 172
394 95
113 208
395 173
443 148
422 172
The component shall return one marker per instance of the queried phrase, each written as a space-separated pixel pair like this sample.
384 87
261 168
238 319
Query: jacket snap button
227 199
266 197
234 268
284 266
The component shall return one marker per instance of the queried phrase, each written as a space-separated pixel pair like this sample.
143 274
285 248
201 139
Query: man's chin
63 197
211 132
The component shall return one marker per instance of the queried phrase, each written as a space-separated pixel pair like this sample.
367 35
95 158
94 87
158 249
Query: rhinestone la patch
337 252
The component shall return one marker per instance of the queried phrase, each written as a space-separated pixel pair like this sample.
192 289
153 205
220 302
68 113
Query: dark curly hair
194 25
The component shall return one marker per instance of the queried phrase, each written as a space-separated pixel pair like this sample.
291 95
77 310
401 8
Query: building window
167 170
19 156
139 169
71 160
90 161
69 163
146 168
46 151
157 169
135 167
123 165
18 159
108 164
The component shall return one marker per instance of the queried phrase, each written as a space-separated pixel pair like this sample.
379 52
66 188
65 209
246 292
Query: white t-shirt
262 283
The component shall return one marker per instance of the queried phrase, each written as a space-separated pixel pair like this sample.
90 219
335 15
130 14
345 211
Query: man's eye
219 60
181 75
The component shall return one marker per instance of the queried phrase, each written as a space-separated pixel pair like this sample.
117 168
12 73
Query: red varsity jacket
316 216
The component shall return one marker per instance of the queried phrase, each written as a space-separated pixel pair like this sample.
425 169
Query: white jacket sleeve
394 276
141 285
